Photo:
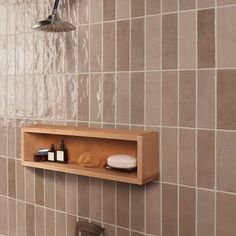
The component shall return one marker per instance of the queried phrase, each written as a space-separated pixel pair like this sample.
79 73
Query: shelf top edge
67 130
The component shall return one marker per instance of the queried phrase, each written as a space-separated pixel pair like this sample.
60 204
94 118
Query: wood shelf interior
87 140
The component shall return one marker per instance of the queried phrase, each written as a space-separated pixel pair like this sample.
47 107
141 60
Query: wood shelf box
101 142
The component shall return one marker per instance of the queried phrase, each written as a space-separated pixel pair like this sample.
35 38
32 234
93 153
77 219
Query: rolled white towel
122 161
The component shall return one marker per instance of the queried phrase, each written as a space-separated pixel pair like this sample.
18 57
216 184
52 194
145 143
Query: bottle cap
62 147
52 149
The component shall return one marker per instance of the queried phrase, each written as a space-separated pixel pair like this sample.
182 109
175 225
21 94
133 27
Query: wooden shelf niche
102 142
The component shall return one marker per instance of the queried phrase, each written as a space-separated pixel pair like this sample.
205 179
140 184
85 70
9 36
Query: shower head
54 23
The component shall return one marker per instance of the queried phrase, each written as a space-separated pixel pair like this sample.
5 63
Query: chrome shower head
54 23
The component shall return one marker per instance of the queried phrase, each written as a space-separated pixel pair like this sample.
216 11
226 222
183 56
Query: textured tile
226 99
3 19
225 2
39 221
206 158
169 155
137 208
123 195
206 99
137 98
29 185
95 10
83 196
71 52
3 176
226 36
137 8
169 98
187 157
109 98
205 3
39 187
122 232
11 178
205 213
153 93
109 8
206 38
153 7
109 202
95 199
187 98
226 214
169 5
225 161
109 46
50 223
123 9
83 11
71 223
137 44
3 53
12 216
30 219
169 210
29 56
3 97
60 224
95 97
123 37
153 208
187 40
21 218
169 41
153 43
20 183
71 194
49 189
60 191
3 215
187 4
187 211
95 52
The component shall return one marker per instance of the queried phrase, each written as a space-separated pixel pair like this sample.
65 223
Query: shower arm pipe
56 3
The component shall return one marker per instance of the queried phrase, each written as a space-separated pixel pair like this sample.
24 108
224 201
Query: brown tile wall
166 65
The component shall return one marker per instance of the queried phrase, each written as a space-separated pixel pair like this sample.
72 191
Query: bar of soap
122 161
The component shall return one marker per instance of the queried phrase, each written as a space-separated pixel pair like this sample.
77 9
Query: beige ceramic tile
49 189
123 37
109 46
11 178
122 214
169 155
187 4
153 43
123 9
12 216
60 224
206 99
137 98
3 215
29 185
226 99
39 187
206 158
225 2
137 208
122 232
21 218
39 221
71 194
187 157
226 213
226 36
109 98
169 210
83 196
95 10
137 8
137 44
205 3
187 211
50 222
109 202
3 176
206 38
169 41
169 98
153 98
30 219
205 213
20 183
169 5
83 11
153 7
71 223
187 98
153 208
225 161
109 8
60 191
187 40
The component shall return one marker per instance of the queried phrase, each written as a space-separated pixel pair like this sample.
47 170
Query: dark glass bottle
62 153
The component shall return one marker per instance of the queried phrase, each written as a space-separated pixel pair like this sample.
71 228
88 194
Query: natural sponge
88 159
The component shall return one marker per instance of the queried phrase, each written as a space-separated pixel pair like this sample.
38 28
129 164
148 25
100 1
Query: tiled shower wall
168 66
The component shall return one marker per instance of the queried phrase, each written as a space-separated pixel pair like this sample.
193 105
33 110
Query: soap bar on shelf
122 161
